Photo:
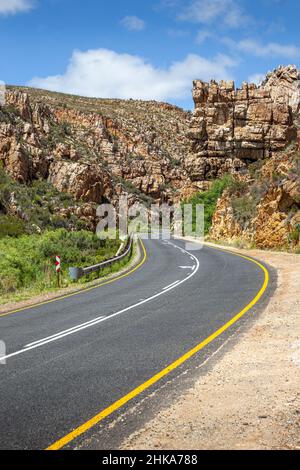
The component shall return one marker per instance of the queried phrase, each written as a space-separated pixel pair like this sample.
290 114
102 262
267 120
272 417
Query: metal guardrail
77 273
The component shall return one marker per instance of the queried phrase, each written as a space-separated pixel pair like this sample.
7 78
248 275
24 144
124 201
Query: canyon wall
253 133
231 128
96 150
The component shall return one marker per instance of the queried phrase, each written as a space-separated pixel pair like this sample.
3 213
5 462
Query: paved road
68 360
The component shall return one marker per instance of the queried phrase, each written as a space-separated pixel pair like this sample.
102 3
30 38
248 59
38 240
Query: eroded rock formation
89 147
232 127
97 150
94 150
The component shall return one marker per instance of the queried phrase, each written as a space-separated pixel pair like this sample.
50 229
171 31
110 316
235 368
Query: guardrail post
77 273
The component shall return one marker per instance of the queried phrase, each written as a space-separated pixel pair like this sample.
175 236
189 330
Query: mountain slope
136 141
84 151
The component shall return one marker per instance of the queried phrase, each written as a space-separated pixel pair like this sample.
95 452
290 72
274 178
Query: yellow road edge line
141 388
82 291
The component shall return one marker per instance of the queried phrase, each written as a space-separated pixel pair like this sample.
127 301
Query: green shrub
209 199
244 208
9 113
175 162
11 226
236 186
255 169
10 279
296 168
29 261
294 235
38 203
245 199
59 133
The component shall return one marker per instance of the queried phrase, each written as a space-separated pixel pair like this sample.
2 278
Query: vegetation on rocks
209 199
264 207
66 154
33 208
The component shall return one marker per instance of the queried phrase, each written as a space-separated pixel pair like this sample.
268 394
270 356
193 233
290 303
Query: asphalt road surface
71 363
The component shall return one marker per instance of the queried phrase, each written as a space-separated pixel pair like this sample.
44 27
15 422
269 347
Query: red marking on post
57 264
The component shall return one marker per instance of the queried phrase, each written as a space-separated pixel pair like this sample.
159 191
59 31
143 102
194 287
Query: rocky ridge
140 142
253 134
96 150
232 128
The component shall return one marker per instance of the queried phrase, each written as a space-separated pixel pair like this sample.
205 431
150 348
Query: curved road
72 362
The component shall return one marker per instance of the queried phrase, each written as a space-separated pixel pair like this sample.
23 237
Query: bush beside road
27 263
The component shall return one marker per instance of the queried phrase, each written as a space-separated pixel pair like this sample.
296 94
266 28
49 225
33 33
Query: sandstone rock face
16 160
83 181
85 213
89 147
224 224
232 127
284 86
274 216
273 224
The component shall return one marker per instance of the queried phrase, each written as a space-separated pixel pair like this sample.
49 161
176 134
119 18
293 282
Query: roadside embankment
32 296
250 398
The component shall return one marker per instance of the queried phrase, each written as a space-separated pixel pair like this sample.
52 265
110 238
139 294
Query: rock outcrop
97 150
252 133
263 208
284 86
84 181
89 146
232 127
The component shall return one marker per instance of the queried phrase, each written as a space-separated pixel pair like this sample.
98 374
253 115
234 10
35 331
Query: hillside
143 142
85 151
62 155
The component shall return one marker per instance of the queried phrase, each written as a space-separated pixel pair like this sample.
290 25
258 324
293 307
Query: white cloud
105 73
272 49
11 7
133 23
202 36
229 12
257 78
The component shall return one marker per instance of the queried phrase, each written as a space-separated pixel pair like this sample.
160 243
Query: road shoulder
250 398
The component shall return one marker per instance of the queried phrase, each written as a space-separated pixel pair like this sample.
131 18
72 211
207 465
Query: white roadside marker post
58 269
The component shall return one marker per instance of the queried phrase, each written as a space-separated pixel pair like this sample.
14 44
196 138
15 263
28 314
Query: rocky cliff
143 143
232 128
253 134
88 151
262 207
93 149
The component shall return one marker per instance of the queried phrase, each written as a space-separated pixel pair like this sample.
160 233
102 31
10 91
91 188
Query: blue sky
149 49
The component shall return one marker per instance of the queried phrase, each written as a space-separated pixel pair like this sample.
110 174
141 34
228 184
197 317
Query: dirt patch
251 398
